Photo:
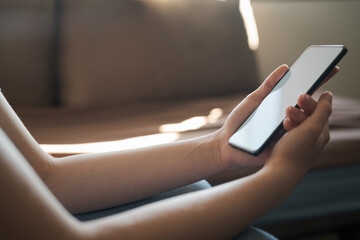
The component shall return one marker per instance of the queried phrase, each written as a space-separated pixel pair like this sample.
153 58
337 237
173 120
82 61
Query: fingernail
328 96
290 109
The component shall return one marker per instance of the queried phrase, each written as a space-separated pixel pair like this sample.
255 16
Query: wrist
284 166
214 145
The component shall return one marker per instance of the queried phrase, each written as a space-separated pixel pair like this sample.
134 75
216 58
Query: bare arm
20 136
94 181
220 212
28 209
217 213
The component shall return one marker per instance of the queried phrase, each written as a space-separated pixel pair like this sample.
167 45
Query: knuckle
267 85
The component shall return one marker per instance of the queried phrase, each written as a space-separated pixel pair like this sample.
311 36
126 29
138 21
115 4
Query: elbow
46 167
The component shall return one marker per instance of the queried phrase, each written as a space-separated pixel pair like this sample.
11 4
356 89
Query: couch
80 72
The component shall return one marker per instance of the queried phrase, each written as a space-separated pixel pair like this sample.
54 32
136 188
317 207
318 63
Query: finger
329 76
332 73
307 103
289 124
247 106
295 114
326 133
265 88
316 122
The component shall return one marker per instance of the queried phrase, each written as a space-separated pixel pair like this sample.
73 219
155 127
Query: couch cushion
68 126
25 47
116 52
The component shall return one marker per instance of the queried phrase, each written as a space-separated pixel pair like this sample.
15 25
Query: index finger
329 76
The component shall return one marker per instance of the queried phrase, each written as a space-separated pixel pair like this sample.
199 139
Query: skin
53 188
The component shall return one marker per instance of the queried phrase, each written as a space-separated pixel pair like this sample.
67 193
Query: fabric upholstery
25 47
116 52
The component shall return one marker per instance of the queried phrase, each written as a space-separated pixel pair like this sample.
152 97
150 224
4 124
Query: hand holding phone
305 76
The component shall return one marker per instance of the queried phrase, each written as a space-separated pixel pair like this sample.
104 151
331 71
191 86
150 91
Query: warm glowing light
214 115
169 133
247 14
186 125
192 123
125 144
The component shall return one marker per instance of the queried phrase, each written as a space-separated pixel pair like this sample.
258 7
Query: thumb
248 105
265 88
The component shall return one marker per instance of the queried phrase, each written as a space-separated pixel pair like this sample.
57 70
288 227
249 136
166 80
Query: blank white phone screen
271 112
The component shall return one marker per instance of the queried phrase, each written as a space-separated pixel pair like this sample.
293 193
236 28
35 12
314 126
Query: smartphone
304 76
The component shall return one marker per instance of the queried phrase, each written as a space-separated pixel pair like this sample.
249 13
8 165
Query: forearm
20 136
217 213
94 181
